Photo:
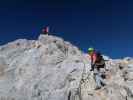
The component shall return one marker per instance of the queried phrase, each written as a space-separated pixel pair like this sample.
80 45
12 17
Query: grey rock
52 69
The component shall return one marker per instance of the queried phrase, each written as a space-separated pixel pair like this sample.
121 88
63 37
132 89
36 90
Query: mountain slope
51 69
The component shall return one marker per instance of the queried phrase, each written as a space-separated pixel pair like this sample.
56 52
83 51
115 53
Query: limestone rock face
52 69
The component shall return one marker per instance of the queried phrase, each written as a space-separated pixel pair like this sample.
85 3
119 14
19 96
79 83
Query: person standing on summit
45 30
98 67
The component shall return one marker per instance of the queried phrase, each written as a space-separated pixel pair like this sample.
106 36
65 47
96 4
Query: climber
45 30
98 67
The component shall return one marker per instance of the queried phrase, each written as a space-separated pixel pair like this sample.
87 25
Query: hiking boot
91 69
97 88
103 84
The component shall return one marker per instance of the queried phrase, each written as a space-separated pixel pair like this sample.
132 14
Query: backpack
100 59
99 56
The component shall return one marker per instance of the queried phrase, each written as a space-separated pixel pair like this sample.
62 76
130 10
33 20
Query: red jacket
93 57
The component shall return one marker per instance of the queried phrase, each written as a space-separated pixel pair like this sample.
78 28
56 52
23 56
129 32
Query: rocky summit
51 69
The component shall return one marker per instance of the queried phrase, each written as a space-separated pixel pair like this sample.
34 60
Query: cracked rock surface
52 69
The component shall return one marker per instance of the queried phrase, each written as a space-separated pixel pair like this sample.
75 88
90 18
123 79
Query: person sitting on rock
98 67
45 30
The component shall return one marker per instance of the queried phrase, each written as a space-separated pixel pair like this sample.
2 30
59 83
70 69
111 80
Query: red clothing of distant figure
45 30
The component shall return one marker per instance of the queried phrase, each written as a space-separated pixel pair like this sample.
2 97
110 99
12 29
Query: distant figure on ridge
45 30
98 67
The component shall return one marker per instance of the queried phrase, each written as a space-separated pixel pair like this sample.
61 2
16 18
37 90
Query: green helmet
91 49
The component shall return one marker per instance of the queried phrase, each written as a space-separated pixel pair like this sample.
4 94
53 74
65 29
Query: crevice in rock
69 95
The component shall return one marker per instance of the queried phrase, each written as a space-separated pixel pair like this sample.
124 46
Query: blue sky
106 25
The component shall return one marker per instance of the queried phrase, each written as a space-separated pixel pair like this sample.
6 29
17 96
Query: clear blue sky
106 25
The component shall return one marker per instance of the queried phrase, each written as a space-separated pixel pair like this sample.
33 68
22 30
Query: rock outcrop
51 69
